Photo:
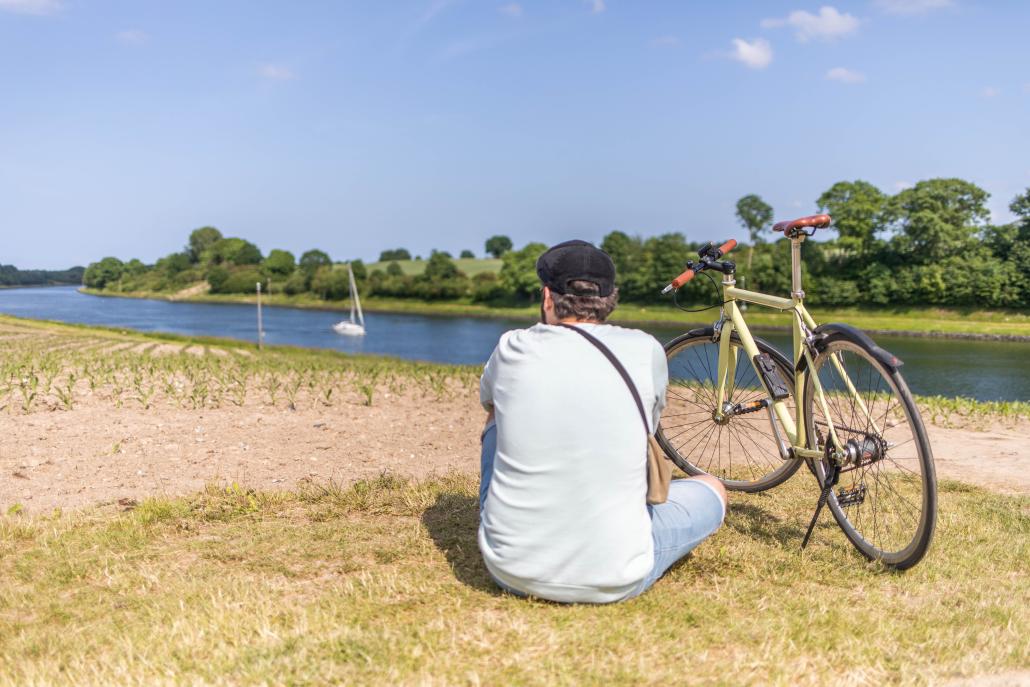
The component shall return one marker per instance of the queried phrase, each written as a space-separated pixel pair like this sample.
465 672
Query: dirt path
97 453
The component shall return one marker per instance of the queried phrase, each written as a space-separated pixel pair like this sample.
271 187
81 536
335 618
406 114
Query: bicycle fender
700 331
823 331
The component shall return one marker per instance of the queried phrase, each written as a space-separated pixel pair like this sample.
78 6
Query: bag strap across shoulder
618 366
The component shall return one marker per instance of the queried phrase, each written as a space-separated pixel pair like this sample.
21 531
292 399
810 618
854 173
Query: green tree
938 218
467 254
243 280
498 245
330 284
217 276
313 259
359 269
755 215
279 263
630 261
518 271
440 266
298 282
234 251
135 267
394 254
394 269
857 209
1020 206
201 240
102 274
175 263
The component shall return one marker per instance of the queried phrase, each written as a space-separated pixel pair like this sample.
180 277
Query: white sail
356 325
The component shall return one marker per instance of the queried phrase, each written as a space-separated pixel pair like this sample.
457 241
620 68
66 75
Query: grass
381 583
920 321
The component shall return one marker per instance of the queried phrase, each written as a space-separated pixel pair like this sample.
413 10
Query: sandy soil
97 453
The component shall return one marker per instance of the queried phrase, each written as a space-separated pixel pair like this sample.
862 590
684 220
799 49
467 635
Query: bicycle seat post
796 292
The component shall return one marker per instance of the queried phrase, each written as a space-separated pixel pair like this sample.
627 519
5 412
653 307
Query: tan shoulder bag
659 467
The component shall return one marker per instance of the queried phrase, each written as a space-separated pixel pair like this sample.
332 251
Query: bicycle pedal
771 376
753 407
851 497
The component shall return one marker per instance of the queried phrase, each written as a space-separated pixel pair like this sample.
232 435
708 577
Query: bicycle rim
886 500
740 452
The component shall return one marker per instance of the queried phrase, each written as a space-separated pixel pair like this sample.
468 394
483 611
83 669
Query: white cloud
902 185
757 54
827 25
132 37
596 6
665 41
512 9
845 75
276 72
31 6
990 92
912 6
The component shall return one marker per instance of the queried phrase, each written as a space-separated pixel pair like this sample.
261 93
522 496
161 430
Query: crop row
56 372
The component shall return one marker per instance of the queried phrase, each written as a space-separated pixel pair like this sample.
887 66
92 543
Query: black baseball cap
574 261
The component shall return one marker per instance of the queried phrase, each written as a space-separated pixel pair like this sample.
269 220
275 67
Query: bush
486 287
330 284
240 280
297 283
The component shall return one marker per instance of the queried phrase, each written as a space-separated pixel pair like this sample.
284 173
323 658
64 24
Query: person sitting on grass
562 496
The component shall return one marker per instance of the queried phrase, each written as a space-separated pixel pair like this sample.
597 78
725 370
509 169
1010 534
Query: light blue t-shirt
565 515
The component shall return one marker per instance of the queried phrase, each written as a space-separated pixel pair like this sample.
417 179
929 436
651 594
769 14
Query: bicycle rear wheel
741 449
886 500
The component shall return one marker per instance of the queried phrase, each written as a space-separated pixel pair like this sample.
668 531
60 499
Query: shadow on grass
453 523
758 523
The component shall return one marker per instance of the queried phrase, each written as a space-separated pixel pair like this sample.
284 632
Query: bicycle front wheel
886 500
738 449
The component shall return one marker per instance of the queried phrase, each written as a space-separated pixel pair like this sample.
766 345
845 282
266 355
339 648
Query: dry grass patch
381 583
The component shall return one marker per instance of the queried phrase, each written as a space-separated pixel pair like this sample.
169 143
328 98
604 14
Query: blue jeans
692 513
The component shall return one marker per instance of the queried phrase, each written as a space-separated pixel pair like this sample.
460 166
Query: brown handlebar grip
727 247
682 279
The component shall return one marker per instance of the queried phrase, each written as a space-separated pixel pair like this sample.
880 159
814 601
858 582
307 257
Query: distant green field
470 266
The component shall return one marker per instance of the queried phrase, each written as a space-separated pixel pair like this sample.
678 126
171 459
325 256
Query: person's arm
486 384
660 376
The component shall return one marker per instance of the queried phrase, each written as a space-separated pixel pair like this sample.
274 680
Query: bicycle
841 406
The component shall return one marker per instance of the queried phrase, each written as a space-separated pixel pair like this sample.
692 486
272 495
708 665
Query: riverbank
212 511
915 322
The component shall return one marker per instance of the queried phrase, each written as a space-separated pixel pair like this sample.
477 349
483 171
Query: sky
358 126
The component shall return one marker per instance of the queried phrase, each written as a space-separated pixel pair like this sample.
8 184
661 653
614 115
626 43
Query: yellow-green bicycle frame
793 442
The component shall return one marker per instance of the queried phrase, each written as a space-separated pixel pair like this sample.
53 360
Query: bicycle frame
797 445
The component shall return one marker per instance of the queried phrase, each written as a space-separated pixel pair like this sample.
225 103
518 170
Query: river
985 370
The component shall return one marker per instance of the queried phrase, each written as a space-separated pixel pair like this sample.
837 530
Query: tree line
12 276
931 244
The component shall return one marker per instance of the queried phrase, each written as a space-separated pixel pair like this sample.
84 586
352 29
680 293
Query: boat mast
355 302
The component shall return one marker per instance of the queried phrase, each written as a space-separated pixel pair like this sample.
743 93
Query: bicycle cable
675 298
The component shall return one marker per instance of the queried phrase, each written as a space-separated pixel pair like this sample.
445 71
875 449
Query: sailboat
355 326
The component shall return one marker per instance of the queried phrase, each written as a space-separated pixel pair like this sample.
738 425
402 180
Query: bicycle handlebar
679 281
708 254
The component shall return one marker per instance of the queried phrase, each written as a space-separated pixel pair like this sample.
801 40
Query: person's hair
589 306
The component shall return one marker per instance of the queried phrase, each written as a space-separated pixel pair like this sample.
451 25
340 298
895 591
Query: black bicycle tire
916 550
786 369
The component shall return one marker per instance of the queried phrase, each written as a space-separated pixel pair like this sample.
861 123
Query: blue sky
358 126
